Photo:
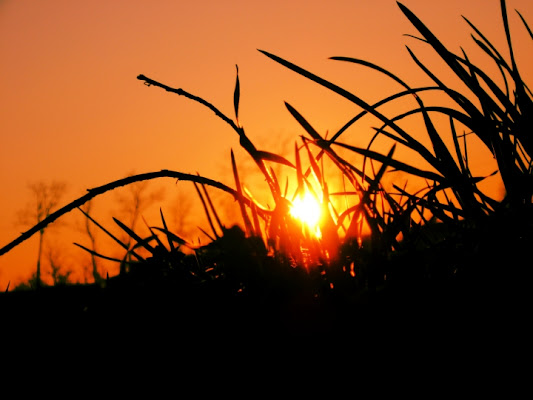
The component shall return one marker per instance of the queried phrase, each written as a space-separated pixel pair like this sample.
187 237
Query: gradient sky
72 110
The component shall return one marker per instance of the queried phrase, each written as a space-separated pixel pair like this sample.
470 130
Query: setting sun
306 208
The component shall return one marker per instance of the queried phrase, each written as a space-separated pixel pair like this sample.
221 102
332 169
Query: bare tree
60 275
182 209
137 198
88 229
45 198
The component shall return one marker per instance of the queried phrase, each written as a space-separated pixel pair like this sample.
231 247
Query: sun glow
306 209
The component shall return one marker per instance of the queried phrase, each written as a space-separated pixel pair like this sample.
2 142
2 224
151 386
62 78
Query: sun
307 209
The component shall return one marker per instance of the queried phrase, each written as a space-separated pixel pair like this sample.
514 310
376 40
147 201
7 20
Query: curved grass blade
482 128
166 231
431 203
206 210
145 242
443 52
97 191
154 236
468 79
462 156
134 235
206 234
255 219
299 173
348 170
384 165
377 68
303 122
122 244
94 253
417 146
508 107
266 155
275 180
499 63
247 223
454 63
212 208
314 165
325 145
172 237
394 163
505 21
525 24
378 104
260 209
489 48
441 152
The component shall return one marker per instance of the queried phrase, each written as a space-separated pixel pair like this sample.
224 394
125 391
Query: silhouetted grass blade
206 210
172 237
299 173
166 231
240 196
303 122
525 24
448 57
268 156
134 235
97 254
237 94
393 163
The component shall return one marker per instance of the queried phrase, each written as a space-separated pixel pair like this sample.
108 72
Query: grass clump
447 244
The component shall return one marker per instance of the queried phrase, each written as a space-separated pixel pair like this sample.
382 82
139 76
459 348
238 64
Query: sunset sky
72 110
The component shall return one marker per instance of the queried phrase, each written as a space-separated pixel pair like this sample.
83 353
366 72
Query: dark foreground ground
210 312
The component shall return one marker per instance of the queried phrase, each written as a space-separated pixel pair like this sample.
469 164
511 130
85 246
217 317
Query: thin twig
181 92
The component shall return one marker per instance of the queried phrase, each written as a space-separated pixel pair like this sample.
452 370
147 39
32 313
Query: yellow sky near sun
72 110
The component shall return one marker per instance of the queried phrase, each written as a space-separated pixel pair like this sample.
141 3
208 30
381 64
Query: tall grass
430 235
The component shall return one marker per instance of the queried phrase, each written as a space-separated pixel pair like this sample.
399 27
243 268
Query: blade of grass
314 166
94 253
237 95
299 173
266 155
525 24
156 238
481 125
122 244
134 235
393 163
220 226
92 193
414 144
172 237
206 210
166 231
247 224
446 164
244 141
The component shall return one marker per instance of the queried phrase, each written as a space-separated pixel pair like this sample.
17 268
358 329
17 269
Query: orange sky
72 110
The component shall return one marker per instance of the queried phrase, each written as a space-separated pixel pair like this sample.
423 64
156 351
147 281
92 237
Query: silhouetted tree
136 199
60 276
88 229
45 198
182 208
